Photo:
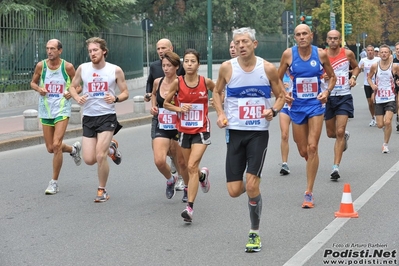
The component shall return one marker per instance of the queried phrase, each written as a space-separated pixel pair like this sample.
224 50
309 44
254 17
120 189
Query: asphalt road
139 226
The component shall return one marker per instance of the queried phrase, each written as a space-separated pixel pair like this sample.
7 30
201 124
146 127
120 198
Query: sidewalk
13 136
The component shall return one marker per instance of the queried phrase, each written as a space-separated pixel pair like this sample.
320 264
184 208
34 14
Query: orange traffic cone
346 209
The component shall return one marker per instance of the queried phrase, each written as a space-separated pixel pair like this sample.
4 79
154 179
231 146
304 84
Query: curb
37 139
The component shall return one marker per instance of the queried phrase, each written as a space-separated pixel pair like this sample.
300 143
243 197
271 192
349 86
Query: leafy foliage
95 14
376 18
191 15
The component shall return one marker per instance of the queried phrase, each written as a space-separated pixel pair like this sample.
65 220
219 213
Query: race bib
166 119
194 117
55 89
307 88
97 89
341 80
385 93
250 112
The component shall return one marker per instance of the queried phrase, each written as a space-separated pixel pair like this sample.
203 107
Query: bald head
163 46
55 43
334 40
302 27
334 33
303 36
164 42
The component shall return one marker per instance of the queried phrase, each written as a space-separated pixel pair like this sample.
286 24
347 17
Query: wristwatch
116 99
275 112
354 76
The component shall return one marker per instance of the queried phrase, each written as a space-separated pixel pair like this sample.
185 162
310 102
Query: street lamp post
209 55
343 23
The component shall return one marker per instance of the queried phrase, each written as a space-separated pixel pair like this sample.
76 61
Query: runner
192 123
249 81
339 106
305 63
51 79
365 65
99 79
285 121
163 46
384 91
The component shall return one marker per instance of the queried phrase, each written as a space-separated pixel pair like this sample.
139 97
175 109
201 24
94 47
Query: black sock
255 209
191 204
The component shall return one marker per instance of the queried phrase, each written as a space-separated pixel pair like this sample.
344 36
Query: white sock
111 151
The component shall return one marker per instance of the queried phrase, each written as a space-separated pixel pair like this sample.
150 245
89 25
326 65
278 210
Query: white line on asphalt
303 255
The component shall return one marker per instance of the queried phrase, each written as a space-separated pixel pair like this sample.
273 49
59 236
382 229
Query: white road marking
303 255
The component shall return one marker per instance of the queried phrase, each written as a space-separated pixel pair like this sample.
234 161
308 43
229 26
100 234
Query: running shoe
205 185
102 195
171 187
52 188
285 170
172 166
346 138
179 184
187 214
185 198
335 173
76 156
385 148
117 156
309 200
254 244
372 123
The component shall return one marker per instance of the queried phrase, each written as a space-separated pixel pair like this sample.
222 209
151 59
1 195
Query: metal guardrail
23 43
23 40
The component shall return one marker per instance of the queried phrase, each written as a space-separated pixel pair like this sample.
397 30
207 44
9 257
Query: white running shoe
52 188
179 184
385 148
372 123
76 156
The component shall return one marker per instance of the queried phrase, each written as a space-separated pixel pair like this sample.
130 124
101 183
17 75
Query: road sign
147 24
332 21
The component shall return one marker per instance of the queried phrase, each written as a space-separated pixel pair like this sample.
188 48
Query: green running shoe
253 244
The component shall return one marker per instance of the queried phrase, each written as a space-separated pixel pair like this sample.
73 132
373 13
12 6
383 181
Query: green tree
191 15
364 15
96 14
377 18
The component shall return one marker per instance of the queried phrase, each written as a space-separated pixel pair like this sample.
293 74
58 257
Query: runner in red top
192 123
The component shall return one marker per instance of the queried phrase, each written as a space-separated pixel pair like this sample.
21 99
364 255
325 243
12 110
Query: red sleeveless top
196 120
